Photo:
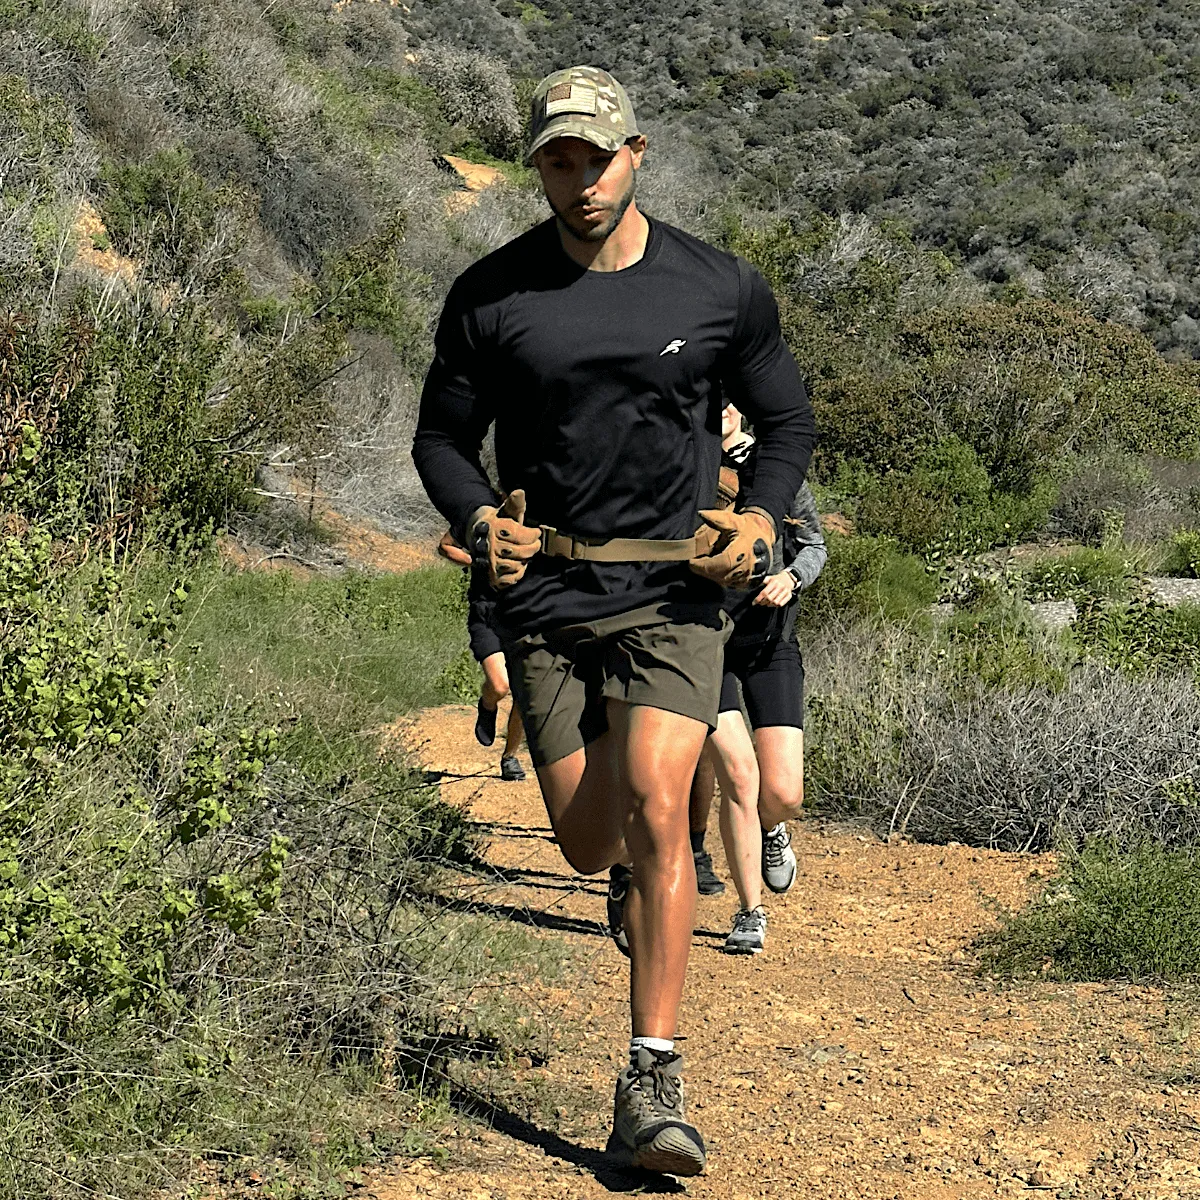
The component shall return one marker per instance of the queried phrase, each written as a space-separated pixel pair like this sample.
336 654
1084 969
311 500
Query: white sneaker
749 932
778 858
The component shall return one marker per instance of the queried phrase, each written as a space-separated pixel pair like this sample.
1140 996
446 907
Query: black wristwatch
799 583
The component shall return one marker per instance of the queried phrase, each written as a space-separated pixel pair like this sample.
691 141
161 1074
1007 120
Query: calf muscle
657 753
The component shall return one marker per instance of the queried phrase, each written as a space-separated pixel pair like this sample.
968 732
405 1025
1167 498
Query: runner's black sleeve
762 379
454 418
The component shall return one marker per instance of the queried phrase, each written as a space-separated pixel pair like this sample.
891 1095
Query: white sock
663 1044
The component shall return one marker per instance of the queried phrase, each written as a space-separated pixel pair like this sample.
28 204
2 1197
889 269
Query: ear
637 149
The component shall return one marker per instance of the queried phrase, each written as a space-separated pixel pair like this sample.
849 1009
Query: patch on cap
572 98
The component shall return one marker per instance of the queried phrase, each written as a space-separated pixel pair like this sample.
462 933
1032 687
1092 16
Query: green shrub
947 499
1183 554
1080 575
997 646
1140 635
160 210
868 576
1109 914
131 438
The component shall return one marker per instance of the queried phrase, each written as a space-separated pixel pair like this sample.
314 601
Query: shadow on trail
550 881
612 1179
519 916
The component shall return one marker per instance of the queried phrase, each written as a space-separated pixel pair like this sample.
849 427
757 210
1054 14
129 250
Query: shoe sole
744 951
670 1153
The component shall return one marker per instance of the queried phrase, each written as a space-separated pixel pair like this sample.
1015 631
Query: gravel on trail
861 1056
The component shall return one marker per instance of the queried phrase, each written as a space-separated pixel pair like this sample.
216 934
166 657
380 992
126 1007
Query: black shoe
485 724
707 884
511 769
618 889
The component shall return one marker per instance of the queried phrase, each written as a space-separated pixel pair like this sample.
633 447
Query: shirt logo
673 347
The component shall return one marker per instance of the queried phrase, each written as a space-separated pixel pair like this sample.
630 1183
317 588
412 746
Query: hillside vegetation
224 240
1047 147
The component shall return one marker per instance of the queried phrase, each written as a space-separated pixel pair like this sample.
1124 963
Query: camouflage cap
582 102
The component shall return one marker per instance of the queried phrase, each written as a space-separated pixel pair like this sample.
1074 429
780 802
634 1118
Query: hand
777 590
500 542
739 555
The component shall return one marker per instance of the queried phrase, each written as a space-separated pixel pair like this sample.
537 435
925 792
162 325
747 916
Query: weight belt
613 550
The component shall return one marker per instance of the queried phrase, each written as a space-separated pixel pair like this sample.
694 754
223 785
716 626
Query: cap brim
566 127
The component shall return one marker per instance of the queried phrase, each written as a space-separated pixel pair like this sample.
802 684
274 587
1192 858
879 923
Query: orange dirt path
860 1057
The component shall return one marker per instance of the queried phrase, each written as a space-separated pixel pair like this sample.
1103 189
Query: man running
600 343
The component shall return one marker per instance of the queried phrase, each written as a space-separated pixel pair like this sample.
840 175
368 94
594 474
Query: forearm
451 426
453 477
808 564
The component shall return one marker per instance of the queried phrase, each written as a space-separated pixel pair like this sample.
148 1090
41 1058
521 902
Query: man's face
588 188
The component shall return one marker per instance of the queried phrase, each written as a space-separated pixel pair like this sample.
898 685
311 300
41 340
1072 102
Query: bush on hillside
1108 914
906 735
899 359
1083 575
1183 554
947 499
476 94
869 577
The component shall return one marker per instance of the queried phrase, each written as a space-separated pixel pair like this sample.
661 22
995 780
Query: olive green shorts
666 656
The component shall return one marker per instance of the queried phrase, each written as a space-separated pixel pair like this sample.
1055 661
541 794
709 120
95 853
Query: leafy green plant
1183 554
1081 575
1140 635
868 576
1108 914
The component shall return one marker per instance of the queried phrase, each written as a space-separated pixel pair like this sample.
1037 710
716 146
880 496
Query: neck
622 248
735 439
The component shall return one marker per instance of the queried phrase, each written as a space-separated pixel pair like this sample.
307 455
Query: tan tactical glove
735 548
500 542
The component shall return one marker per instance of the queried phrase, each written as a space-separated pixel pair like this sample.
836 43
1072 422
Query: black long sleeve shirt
606 389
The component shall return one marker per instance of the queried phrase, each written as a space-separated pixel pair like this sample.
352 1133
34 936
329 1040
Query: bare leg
781 764
512 741
738 773
657 753
582 799
700 802
495 680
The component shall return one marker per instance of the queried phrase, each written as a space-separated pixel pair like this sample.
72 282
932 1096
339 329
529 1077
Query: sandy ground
862 1056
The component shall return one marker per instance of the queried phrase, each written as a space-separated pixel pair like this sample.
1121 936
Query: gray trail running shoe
778 858
749 931
649 1129
618 889
511 769
707 884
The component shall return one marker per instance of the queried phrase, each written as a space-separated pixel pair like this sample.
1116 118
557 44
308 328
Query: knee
743 783
784 796
657 822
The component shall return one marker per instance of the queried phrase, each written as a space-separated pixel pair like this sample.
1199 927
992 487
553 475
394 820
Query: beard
571 218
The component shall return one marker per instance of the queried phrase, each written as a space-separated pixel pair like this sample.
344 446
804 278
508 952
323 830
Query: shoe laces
749 920
775 842
664 1088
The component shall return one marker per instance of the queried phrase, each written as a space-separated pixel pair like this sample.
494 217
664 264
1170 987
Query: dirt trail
859 1057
